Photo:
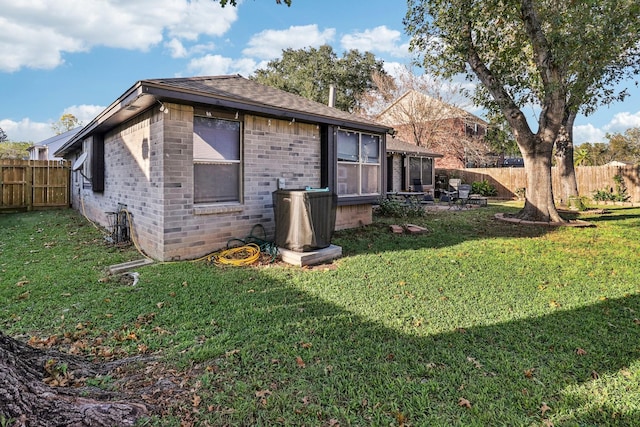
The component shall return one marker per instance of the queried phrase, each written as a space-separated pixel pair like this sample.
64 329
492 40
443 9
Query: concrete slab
310 258
120 268
415 229
396 229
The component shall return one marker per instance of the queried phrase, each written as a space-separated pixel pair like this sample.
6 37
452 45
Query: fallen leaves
57 375
464 403
544 408
262 396
475 363
300 362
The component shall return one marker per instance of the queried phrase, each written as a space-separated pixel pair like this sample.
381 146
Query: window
421 168
358 163
85 168
216 160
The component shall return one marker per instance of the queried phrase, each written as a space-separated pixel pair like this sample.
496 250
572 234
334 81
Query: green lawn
475 323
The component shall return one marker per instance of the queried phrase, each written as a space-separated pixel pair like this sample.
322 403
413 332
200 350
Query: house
196 161
438 127
44 149
408 164
619 163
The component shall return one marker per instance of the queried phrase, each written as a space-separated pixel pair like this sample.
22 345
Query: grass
475 323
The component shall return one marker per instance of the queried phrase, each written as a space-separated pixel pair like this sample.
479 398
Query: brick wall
353 216
149 167
133 178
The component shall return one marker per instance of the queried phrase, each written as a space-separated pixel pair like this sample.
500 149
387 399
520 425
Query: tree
427 112
234 3
625 147
499 136
547 53
582 156
310 73
3 135
25 399
65 124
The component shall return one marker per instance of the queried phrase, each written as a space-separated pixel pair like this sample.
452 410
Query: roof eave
170 93
144 94
126 106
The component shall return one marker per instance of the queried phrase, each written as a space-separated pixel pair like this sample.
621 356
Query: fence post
28 185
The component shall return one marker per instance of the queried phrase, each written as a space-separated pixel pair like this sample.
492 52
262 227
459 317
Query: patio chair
451 193
427 197
461 198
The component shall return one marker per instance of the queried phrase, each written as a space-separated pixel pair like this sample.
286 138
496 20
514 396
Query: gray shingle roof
397 146
232 91
241 89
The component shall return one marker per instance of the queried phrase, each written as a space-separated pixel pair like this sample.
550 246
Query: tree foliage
499 136
428 112
234 3
524 52
66 123
3 135
310 72
623 147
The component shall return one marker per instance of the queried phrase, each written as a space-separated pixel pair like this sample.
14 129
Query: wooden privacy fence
33 184
589 178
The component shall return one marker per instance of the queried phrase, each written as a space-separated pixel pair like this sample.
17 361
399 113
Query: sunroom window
421 168
358 163
216 160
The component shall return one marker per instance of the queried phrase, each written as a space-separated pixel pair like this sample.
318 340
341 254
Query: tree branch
512 113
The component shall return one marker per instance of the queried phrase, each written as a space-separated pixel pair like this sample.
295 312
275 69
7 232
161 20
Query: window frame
210 161
361 162
422 159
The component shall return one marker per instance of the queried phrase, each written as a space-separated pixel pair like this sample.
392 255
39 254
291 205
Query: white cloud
268 44
26 131
587 133
37 34
620 122
213 65
623 121
378 39
202 17
176 48
84 113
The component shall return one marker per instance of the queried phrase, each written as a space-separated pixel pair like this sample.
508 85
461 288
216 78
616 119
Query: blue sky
78 56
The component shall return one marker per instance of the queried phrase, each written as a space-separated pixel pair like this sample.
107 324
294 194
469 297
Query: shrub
484 188
394 208
608 195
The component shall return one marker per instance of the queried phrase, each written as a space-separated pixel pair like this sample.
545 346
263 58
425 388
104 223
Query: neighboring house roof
232 91
619 163
407 109
54 143
396 146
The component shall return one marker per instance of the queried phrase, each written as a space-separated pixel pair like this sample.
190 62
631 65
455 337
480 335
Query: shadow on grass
445 228
320 362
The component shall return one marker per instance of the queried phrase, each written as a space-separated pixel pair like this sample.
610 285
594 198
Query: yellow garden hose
242 255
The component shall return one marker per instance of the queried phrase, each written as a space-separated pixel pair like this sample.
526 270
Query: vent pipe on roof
332 95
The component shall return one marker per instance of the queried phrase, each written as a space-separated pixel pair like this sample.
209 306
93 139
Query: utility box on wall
305 219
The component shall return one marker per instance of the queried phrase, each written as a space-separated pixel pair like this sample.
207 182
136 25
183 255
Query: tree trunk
539 205
26 400
564 161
